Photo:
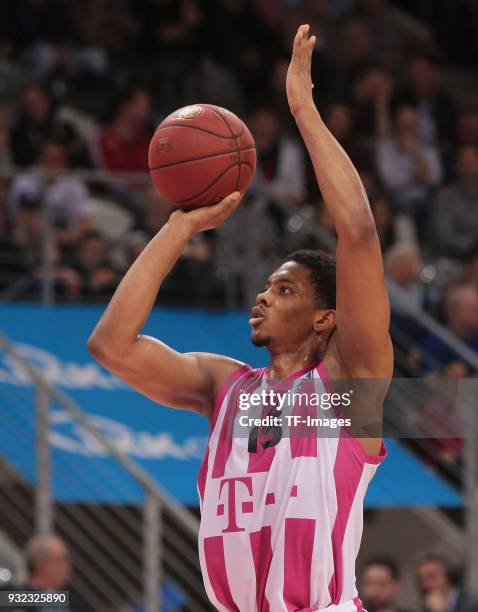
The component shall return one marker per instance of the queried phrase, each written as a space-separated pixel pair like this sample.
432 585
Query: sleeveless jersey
281 522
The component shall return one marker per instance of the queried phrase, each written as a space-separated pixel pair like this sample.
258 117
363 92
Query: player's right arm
174 379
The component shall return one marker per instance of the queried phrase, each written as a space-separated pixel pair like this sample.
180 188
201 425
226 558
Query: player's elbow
360 230
108 351
102 350
96 347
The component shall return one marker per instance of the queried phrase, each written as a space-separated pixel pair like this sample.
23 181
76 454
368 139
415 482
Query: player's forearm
339 182
134 298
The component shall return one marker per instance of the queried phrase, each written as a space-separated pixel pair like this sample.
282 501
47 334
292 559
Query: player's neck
284 364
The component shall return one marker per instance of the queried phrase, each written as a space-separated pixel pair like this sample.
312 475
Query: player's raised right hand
208 217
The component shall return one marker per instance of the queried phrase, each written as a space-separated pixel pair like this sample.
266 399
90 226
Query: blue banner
169 444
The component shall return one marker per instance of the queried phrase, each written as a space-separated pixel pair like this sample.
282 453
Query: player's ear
324 319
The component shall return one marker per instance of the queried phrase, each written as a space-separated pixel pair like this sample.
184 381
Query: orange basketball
201 153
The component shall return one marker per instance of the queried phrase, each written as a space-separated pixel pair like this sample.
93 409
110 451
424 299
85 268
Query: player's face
284 314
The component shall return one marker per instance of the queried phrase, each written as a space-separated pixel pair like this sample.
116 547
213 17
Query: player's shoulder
218 368
338 364
215 362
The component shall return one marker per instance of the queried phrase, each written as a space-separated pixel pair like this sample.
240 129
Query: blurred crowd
438 584
82 86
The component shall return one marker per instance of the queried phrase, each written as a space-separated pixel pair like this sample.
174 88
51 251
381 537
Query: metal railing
120 540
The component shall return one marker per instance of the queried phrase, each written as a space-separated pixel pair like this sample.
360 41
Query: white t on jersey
281 521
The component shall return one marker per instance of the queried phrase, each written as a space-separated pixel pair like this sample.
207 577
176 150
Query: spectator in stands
156 211
36 123
468 128
280 160
21 272
438 587
278 100
66 196
338 118
440 415
455 213
409 170
240 39
351 53
20 246
48 562
123 144
393 33
5 148
379 583
49 568
461 317
371 90
391 229
404 264
435 107
98 277
4 217
471 270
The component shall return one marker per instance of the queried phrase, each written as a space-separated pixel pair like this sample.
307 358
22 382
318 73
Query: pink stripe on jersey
226 385
303 440
203 475
262 555
298 547
348 470
358 602
224 443
216 569
347 473
262 459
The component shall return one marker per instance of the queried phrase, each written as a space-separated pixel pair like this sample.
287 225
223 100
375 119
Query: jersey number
272 439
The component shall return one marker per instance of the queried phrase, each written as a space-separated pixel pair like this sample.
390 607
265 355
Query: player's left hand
299 81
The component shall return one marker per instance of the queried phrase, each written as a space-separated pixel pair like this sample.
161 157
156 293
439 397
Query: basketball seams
233 157
193 197
227 123
185 161
196 127
235 142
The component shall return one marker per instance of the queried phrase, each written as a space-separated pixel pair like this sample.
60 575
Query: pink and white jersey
281 522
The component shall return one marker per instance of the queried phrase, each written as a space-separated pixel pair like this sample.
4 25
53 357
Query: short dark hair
386 562
452 573
321 266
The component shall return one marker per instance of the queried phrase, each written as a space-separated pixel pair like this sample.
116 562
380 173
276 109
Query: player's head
297 306
379 583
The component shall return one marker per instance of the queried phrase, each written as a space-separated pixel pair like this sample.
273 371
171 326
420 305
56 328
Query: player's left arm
362 309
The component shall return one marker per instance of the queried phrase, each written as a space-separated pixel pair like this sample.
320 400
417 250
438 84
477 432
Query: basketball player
281 517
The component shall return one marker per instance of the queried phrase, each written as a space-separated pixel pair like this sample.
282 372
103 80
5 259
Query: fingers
296 48
210 217
231 200
228 205
303 46
218 213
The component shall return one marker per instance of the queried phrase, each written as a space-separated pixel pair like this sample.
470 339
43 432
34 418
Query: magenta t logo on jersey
230 502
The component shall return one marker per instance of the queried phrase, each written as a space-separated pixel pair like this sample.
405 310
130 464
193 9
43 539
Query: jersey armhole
226 385
362 454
